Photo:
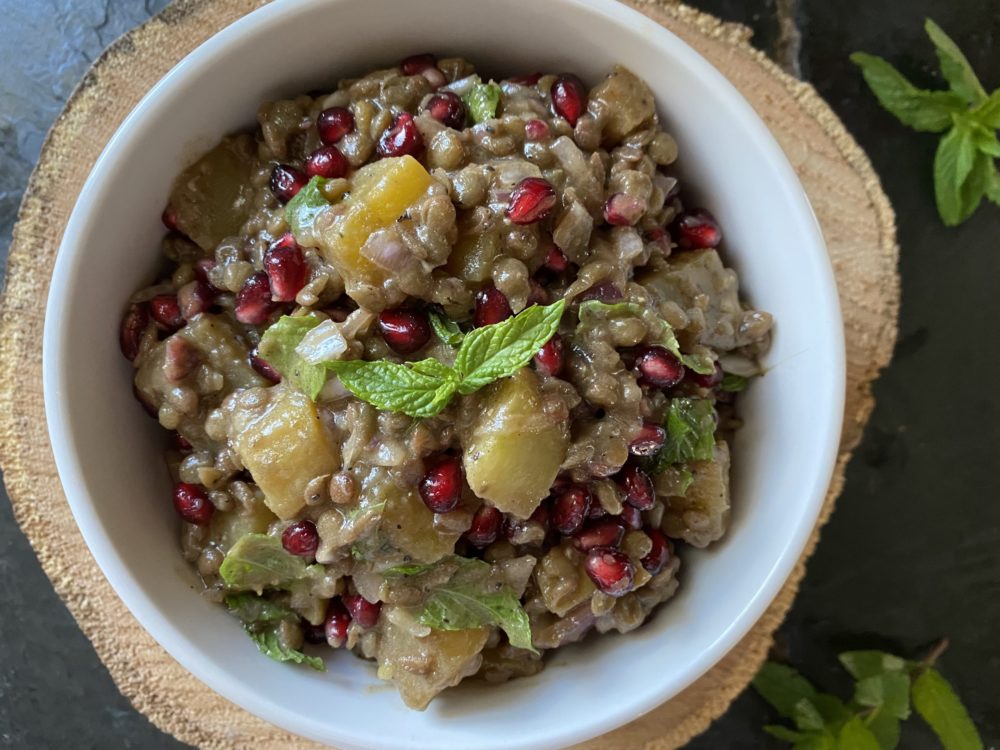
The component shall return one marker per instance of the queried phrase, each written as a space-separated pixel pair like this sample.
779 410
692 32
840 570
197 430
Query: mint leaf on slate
446 329
277 347
888 692
419 390
954 66
861 664
938 705
854 735
782 687
988 113
482 101
269 642
885 727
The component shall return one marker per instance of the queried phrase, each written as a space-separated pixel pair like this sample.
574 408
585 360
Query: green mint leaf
807 716
889 692
854 735
690 432
277 347
782 687
468 600
501 349
885 727
936 701
734 383
954 66
446 329
420 390
302 210
784 733
959 182
703 364
409 570
928 111
251 608
831 708
270 643
258 561
988 113
482 101
992 190
862 664
985 139
816 741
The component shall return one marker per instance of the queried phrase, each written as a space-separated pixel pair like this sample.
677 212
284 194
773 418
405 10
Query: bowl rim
142 605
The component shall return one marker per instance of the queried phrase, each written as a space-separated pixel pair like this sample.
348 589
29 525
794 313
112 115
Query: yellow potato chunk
472 257
283 446
409 527
629 103
514 449
701 515
227 528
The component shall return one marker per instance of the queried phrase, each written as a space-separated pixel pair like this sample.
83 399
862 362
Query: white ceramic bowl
109 452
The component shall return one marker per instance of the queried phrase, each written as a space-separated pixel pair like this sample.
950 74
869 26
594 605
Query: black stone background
911 553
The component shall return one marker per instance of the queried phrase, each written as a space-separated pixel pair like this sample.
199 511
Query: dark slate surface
910 555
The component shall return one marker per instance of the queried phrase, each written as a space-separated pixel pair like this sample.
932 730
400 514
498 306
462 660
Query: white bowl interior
109 452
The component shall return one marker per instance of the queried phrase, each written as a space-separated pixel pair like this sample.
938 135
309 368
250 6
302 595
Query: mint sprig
446 329
964 167
482 101
262 619
302 210
690 427
277 346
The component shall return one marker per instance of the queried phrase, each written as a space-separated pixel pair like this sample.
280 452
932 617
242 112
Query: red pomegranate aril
441 487
638 487
447 108
485 526
606 291
659 238
551 357
337 621
658 367
536 130
556 260
314 634
596 511
528 80
326 161
710 380
192 504
405 331
659 554
301 539
334 123
264 368
363 612
632 516
286 182
531 200
402 138
195 297
570 509
569 97
416 64
166 312
611 570
254 304
491 307
604 532
622 210
286 268
202 267
180 358
697 229
169 219
648 442
133 326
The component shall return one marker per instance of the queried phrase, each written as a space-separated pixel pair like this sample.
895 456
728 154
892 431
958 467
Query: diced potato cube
228 527
563 583
408 525
472 257
701 516
629 103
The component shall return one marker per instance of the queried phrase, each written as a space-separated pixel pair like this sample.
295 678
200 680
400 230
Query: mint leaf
302 210
929 111
782 687
854 735
501 349
690 432
992 189
420 390
988 113
446 329
888 692
482 101
409 570
885 727
270 643
954 66
862 664
784 733
936 701
251 608
807 716
985 139
702 364
258 561
734 383
953 163
277 346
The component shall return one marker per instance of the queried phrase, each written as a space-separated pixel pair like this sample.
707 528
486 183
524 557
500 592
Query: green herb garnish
277 346
446 329
269 642
261 620
482 101
258 561
734 383
964 170
690 427
302 210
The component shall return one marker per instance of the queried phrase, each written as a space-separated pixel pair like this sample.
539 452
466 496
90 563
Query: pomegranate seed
649 440
447 108
697 229
551 357
569 97
536 130
658 367
202 267
326 161
638 487
531 200
264 368
606 291
286 268
180 359
402 137
181 443
604 532
314 634
660 553
441 487
133 326
416 64
405 331
622 210
705 381
166 312
632 516
192 504
570 508
597 511
485 526
610 569
286 181
301 539
195 297
528 80
169 219
659 239
337 621
556 260
363 612
334 123
491 307
254 304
